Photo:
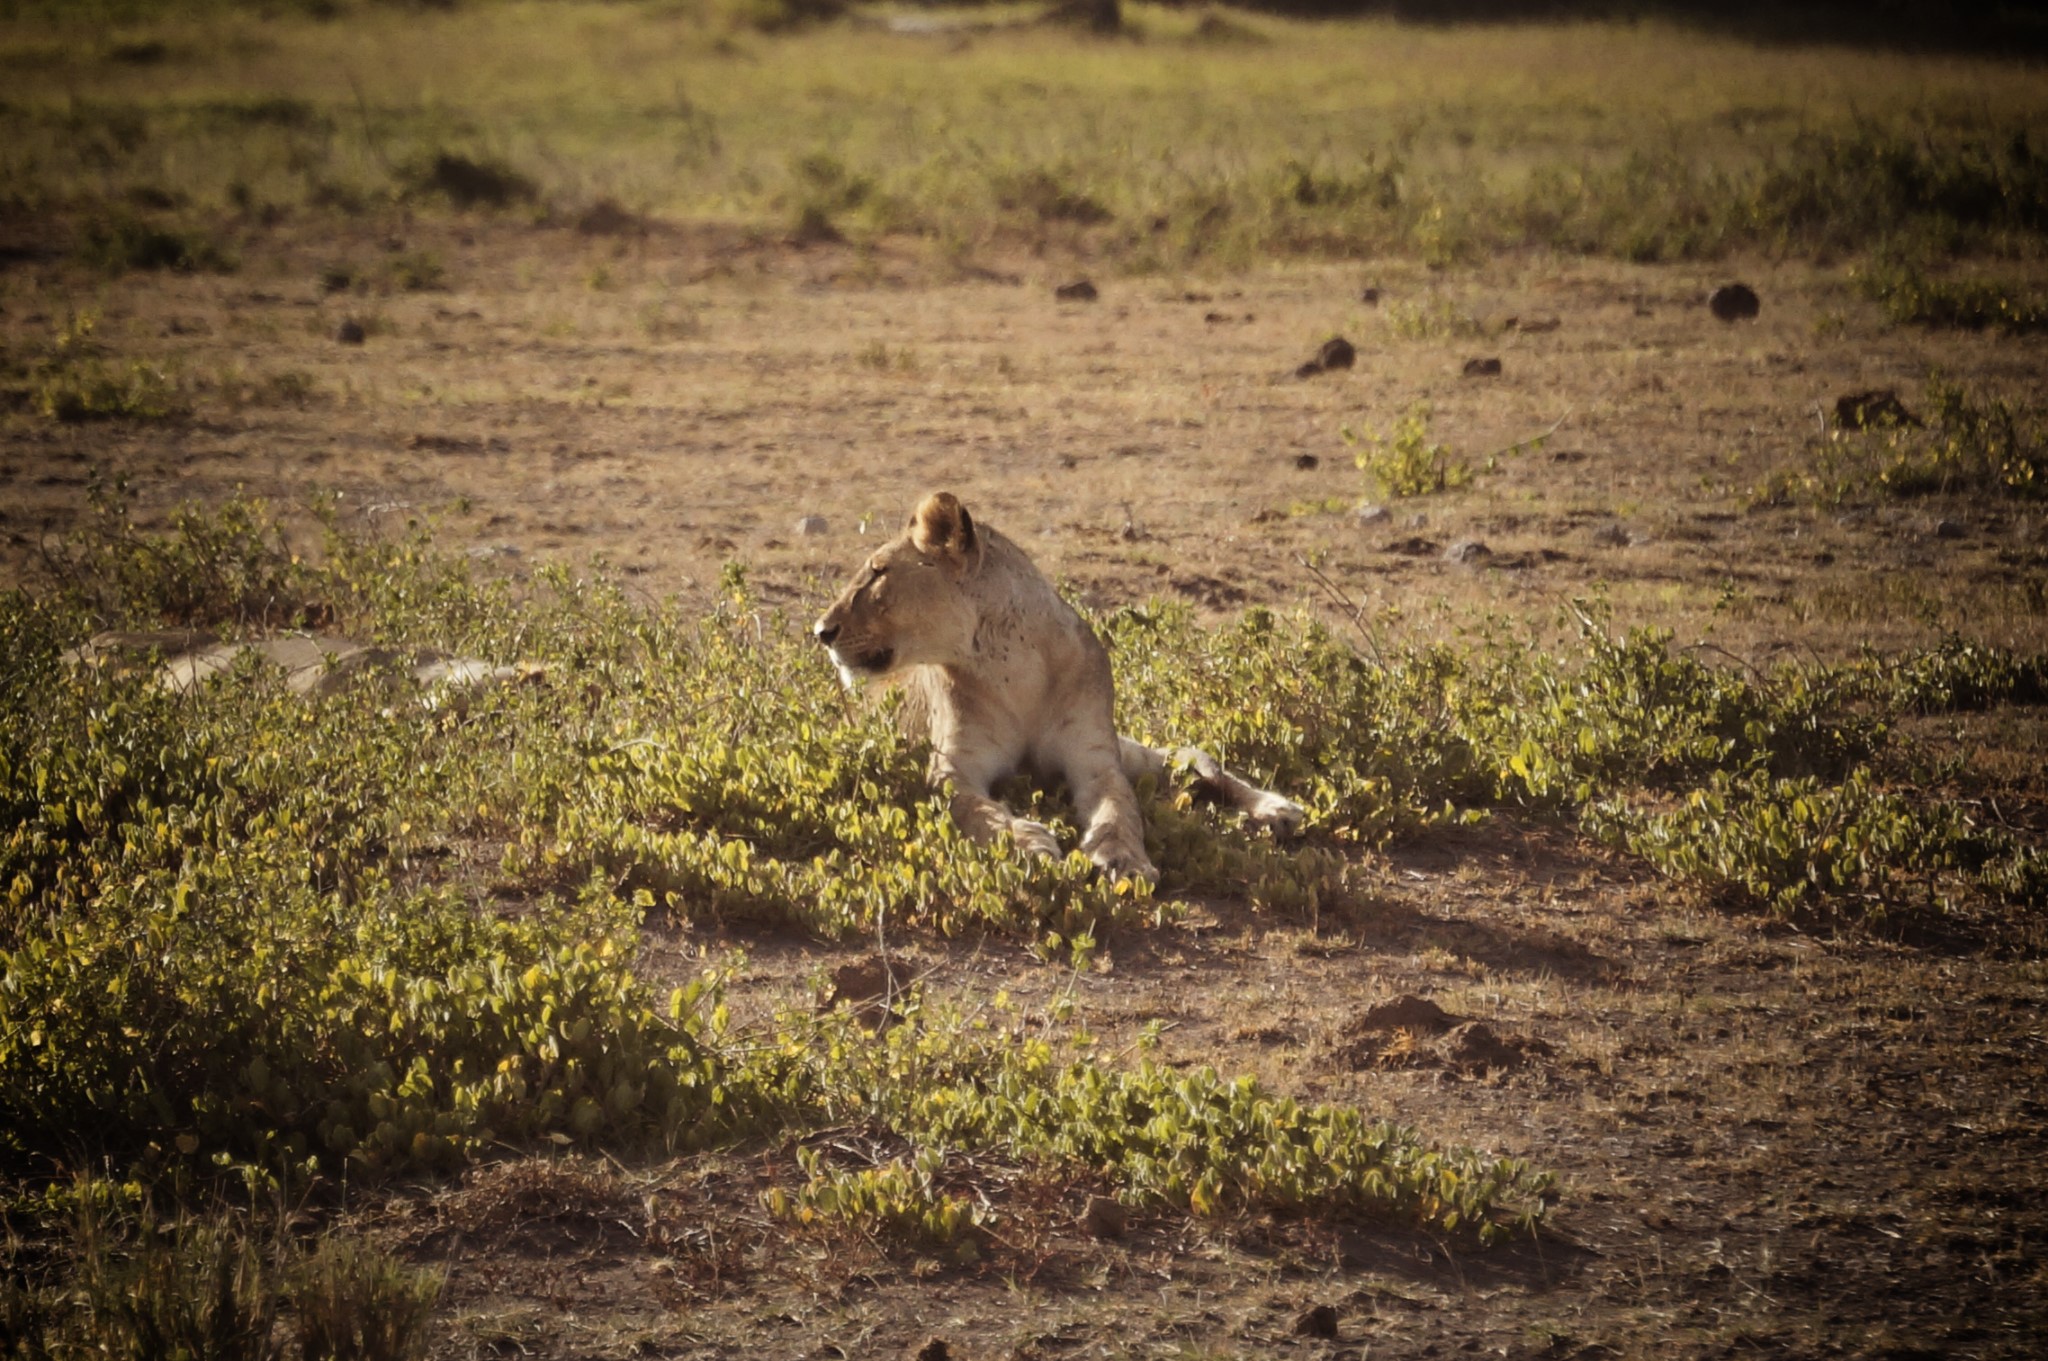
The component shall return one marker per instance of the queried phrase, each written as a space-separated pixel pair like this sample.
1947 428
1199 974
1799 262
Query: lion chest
1026 698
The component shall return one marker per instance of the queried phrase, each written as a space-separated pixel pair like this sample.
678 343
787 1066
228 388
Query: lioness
1007 677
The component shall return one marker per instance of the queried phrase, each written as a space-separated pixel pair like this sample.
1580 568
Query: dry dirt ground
1774 1138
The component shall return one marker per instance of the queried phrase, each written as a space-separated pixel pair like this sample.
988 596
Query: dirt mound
1414 1032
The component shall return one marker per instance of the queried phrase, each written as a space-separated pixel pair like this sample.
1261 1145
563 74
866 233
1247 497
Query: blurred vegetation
161 132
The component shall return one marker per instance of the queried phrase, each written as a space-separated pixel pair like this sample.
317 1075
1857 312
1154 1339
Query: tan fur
1006 677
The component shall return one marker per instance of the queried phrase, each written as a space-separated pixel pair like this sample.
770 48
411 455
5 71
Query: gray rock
810 526
1467 551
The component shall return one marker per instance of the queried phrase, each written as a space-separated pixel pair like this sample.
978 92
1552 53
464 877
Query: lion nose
826 632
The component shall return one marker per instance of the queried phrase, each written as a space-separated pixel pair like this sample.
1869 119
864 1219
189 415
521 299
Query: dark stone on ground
1336 353
1734 302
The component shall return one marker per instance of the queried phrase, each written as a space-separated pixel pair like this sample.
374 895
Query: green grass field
1244 140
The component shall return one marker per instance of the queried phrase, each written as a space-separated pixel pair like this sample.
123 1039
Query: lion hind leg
1264 807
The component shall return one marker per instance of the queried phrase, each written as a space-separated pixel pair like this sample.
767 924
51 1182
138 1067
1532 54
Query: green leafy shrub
1910 297
244 929
901 1200
1970 443
1784 844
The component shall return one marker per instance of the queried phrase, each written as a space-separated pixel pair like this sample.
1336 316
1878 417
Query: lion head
909 604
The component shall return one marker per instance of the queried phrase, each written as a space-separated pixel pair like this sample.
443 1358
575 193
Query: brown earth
1774 1138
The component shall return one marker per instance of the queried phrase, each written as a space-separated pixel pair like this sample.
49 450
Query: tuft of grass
418 271
124 242
351 1302
466 182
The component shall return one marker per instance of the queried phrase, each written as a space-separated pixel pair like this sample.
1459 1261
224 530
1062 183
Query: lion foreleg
1113 834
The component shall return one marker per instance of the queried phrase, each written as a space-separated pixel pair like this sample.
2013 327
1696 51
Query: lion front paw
1034 838
1122 857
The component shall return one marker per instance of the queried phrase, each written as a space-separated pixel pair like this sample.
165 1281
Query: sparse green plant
1404 461
1434 317
77 381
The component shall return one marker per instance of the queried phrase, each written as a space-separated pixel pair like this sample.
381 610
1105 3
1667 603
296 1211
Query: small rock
1734 302
1104 1217
1081 290
1307 462
1947 529
1879 406
483 552
1318 1320
1482 368
810 526
1370 297
1336 353
1613 535
1372 515
606 218
1532 326
1467 550
351 332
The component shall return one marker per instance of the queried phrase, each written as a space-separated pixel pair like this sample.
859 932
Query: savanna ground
622 293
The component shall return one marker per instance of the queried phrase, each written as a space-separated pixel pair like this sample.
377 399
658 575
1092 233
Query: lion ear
941 528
